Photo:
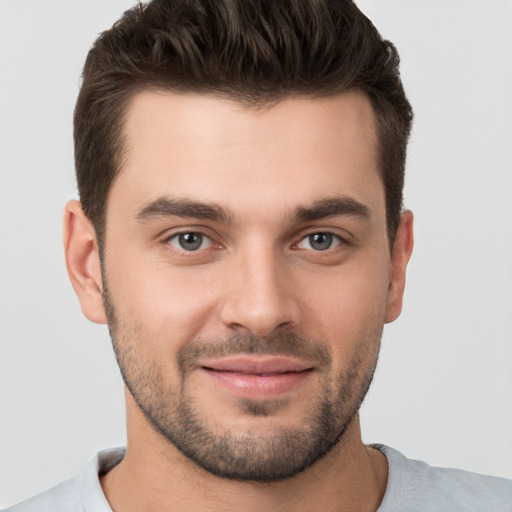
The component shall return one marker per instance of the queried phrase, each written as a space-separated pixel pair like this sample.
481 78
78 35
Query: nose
259 296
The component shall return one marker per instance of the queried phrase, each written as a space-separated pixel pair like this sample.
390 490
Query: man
240 168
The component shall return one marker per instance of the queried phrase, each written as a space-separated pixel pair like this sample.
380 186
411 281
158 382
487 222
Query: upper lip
253 365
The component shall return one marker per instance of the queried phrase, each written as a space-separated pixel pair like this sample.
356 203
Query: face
247 275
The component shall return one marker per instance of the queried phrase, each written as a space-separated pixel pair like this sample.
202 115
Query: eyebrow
171 207
332 207
174 207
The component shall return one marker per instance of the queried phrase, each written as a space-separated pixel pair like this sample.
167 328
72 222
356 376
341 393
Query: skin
257 274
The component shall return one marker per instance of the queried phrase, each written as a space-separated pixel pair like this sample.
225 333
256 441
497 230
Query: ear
402 250
83 261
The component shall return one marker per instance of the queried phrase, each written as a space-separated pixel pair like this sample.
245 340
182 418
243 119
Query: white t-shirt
413 486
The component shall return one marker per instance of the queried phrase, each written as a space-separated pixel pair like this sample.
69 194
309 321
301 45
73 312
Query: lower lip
256 385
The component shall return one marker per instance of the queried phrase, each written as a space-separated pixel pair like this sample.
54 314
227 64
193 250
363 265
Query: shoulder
414 485
82 493
64 496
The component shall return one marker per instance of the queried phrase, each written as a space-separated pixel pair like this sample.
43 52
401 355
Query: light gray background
443 390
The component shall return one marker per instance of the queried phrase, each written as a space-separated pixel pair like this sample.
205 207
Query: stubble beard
247 455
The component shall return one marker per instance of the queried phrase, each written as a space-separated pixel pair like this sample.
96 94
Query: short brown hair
251 51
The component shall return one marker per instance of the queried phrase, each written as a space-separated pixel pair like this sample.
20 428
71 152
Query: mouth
257 377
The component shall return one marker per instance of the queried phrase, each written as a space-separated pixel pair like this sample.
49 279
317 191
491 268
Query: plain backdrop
443 389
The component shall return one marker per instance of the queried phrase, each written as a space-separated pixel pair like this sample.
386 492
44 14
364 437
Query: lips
256 376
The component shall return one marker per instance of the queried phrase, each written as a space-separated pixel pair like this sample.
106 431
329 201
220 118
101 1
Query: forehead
286 154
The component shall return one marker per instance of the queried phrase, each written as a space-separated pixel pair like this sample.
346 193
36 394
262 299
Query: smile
256 377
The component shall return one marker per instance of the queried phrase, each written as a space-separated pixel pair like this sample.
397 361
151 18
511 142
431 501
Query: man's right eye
190 241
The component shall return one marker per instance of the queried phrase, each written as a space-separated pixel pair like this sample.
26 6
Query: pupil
320 241
190 241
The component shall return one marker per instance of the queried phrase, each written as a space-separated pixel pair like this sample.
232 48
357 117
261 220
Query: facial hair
248 454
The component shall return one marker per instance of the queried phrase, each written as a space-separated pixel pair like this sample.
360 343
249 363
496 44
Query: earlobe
402 250
83 261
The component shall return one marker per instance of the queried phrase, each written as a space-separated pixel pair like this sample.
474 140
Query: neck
155 476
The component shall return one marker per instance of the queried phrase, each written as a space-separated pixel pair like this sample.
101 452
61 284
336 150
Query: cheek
171 305
347 309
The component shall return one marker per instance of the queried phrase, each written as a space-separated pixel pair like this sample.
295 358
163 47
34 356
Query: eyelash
334 239
176 236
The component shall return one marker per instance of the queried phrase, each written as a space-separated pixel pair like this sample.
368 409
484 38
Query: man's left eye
320 241
190 241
